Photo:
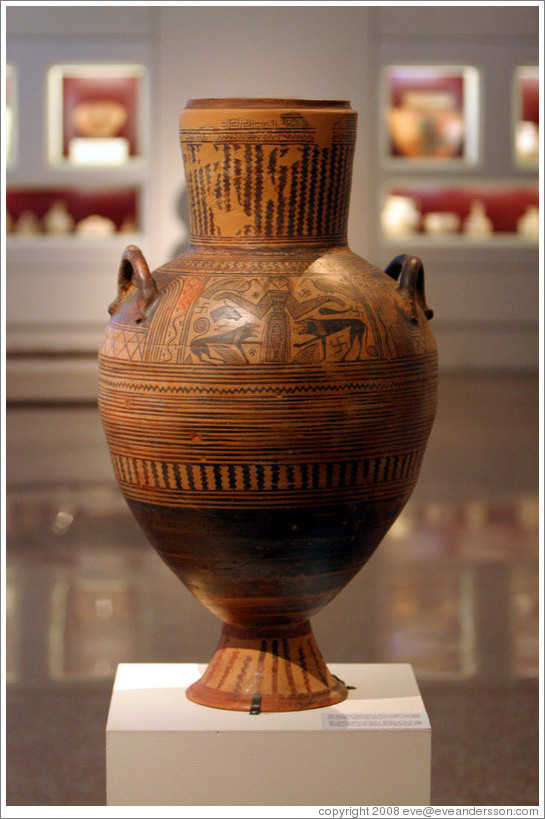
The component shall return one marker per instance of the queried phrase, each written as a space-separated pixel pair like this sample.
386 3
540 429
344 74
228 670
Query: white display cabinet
430 116
54 214
437 213
77 187
468 208
95 174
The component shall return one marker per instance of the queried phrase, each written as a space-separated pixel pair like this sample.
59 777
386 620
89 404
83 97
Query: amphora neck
268 171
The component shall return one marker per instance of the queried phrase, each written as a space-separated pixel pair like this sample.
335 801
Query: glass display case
430 114
77 193
526 117
90 179
76 212
447 180
95 114
473 211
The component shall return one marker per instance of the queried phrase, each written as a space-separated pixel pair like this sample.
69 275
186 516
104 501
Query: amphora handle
408 271
134 270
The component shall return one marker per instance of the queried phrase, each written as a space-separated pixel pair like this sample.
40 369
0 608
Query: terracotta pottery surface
267 395
99 118
426 133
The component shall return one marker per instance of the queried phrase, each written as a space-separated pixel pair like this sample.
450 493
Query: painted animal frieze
321 314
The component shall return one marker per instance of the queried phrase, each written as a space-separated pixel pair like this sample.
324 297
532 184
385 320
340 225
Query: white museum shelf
58 251
498 241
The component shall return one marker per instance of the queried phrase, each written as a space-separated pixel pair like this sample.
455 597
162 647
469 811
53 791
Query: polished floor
453 590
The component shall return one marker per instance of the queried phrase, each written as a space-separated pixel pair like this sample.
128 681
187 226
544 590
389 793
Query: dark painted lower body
265 573
266 568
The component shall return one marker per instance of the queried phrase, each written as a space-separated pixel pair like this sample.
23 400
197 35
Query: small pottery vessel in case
267 395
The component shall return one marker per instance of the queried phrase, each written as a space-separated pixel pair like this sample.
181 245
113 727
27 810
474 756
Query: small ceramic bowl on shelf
441 223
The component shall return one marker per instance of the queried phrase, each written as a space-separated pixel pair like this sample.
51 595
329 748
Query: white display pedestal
98 151
372 749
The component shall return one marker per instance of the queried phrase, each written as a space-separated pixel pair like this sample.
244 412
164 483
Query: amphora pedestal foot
278 672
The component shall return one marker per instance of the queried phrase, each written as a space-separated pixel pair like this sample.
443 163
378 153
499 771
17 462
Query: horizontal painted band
171 483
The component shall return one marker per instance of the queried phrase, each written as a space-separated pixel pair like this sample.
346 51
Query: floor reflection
455 592
95 622
428 621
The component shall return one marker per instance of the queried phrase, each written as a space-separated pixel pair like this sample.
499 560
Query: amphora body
267 395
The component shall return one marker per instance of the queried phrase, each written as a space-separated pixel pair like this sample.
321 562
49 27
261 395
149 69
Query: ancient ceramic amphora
267 395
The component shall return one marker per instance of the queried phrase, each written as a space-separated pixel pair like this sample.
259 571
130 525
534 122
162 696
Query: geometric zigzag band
161 478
